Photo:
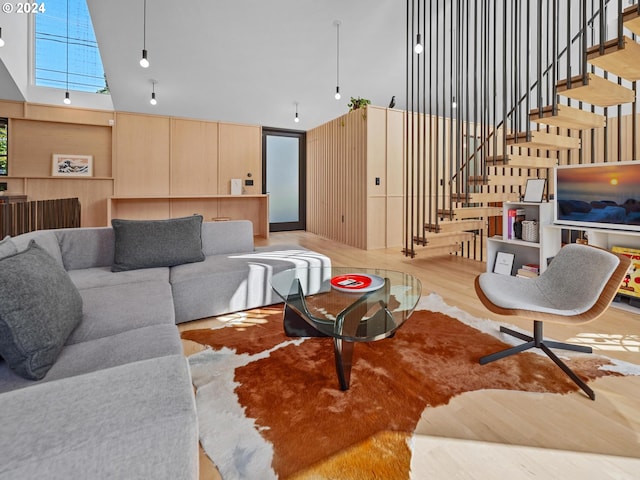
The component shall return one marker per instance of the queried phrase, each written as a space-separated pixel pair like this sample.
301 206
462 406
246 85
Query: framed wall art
72 165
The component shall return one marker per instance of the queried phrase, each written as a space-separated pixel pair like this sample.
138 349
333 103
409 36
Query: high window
81 69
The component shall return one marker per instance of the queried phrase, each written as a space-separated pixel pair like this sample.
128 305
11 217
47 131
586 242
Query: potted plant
357 103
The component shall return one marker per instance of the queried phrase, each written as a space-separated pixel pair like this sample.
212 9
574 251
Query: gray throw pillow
39 308
157 243
7 247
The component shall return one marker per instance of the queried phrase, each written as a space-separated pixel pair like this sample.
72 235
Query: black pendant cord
408 54
431 180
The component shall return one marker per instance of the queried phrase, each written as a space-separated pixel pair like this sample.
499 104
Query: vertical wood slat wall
22 217
344 158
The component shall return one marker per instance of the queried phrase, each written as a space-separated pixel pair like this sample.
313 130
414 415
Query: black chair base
537 341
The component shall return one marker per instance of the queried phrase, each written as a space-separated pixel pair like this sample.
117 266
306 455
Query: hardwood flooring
533 435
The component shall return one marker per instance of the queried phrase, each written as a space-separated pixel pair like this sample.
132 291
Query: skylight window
85 70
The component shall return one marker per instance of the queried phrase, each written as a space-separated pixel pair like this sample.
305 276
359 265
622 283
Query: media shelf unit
539 252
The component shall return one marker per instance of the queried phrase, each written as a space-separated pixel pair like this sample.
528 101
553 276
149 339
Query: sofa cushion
7 247
45 238
157 243
104 277
230 283
154 341
219 238
136 421
86 247
113 309
39 308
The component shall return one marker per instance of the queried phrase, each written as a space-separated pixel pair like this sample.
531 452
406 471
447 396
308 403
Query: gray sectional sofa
116 400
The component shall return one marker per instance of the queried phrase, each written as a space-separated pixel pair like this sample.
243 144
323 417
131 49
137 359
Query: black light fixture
1 40
67 98
144 62
153 100
337 23
296 119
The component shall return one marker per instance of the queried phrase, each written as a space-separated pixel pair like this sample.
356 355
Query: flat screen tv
599 195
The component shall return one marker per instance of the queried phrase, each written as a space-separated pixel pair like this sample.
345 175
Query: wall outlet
248 183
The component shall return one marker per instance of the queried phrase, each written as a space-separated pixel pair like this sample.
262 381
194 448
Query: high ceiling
249 61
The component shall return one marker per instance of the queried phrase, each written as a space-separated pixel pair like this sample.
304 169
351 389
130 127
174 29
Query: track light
67 99
1 40
144 62
418 48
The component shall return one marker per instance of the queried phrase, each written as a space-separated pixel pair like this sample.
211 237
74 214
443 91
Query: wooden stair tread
471 212
598 91
621 61
432 239
522 161
485 197
568 117
543 141
432 251
631 19
495 179
448 226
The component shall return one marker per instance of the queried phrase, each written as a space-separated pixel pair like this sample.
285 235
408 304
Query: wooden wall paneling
33 143
15 186
395 167
64 114
208 208
141 209
142 154
194 157
92 194
376 168
247 208
10 109
239 153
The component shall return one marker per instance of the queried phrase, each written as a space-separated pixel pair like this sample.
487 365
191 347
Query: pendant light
153 100
67 98
418 48
296 119
337 23
1 40
144 62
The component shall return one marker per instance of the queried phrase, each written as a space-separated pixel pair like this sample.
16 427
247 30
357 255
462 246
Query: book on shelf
511 218
631 283
523 272
531 267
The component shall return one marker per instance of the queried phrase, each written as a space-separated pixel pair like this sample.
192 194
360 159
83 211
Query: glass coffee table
348 304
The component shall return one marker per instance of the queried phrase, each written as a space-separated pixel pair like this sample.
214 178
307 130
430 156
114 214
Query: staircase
554 133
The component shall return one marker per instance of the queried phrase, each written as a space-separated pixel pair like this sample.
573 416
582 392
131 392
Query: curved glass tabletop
356 316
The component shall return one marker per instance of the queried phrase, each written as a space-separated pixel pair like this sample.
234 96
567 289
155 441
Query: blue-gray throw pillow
157 243
39 308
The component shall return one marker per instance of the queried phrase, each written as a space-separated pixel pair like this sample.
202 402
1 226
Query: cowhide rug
270 406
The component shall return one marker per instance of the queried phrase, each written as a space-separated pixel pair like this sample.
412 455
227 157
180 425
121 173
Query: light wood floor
609 426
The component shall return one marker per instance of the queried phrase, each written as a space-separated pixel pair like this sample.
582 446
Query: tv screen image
605 195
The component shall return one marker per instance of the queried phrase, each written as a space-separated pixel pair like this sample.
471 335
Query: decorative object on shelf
631 283
236 186
517 224
72 165
534 191
504 263
357 103
530 231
